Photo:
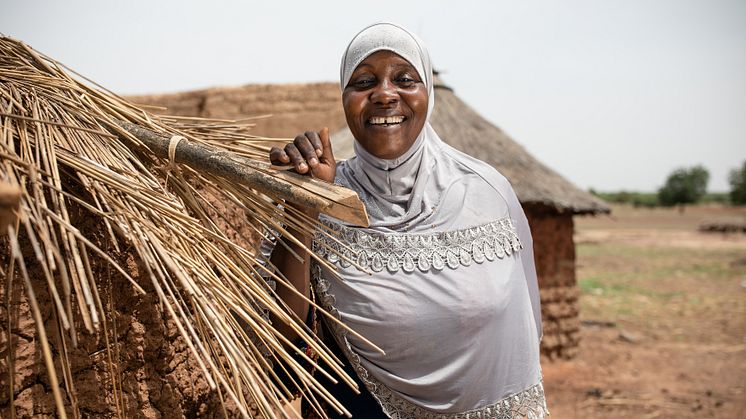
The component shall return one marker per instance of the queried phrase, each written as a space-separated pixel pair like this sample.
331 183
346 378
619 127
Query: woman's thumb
326 143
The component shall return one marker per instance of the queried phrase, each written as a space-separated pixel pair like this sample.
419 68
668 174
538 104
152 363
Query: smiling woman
443 280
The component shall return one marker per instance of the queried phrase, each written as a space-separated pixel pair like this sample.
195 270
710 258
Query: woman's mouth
386 120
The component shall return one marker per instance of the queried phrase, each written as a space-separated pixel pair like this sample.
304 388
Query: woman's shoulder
469 164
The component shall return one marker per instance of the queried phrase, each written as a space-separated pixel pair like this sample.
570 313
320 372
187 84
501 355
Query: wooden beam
327 198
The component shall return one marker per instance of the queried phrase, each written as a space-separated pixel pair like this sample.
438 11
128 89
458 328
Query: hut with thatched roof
550 201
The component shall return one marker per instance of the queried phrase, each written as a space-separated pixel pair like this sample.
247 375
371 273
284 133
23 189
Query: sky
613 94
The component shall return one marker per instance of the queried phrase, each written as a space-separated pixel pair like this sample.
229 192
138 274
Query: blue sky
611 94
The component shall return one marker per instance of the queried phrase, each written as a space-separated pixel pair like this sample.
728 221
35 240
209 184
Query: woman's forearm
298 274
311 154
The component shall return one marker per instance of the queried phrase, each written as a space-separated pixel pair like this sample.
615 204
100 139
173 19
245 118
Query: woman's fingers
304 144
316 142
277 156
327 155
310 153
296 158
327 167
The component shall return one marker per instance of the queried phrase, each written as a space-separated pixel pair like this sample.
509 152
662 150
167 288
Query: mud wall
295 108
554 251
155 373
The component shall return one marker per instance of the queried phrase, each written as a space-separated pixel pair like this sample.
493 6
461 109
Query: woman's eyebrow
404 66
396 66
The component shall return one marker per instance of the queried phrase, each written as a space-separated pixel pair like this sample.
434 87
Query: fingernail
302 167
313 161
319 152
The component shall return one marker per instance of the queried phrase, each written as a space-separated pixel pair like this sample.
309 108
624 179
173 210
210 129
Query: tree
737 180
684 186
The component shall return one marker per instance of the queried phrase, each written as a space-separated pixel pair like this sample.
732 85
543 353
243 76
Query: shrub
684 186
737 179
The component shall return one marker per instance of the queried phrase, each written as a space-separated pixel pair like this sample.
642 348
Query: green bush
684 186
737 179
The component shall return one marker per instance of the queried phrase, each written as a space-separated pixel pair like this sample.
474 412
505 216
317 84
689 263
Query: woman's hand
310 153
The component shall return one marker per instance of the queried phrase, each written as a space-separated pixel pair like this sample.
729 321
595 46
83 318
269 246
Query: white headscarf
452 300
394 190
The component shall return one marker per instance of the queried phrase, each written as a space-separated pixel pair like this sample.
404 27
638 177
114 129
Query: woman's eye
363 83
405 81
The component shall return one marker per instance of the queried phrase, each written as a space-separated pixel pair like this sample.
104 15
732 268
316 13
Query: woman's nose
385 93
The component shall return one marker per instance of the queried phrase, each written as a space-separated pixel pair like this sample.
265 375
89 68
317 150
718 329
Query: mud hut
550 202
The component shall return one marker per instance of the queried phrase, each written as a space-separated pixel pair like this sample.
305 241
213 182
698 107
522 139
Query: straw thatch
466 130
102 215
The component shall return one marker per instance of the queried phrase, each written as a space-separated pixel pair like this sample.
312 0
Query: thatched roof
466 130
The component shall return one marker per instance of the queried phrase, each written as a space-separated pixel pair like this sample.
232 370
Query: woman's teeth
385 120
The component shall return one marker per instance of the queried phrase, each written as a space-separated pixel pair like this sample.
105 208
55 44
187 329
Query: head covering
393 189
440 283
388 37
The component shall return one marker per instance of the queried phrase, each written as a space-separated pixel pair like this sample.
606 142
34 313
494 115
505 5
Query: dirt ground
663 309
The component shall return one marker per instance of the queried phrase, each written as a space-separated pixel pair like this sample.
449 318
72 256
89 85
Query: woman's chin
383 132
386 148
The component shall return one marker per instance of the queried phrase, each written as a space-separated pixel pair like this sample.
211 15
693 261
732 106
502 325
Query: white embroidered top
450 308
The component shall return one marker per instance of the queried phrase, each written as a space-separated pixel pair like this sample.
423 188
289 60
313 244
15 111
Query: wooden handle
327 198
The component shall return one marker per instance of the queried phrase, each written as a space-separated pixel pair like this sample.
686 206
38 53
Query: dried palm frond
64 143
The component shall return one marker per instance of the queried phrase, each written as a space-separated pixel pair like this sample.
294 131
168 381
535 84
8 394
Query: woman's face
385 103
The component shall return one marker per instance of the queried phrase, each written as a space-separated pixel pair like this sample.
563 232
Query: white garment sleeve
527 253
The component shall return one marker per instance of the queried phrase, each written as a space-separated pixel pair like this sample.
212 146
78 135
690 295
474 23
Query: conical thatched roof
466 130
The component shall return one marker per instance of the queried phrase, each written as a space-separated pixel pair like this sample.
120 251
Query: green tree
684 186
737 179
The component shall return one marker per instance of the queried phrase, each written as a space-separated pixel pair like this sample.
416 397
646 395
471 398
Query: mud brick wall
156 374
554 251
295 108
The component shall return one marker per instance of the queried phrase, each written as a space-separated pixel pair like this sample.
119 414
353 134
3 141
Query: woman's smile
386 121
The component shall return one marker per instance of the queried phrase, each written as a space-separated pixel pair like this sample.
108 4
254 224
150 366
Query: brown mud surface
151 366
663 314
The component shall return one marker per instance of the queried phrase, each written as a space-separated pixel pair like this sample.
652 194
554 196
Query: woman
443 279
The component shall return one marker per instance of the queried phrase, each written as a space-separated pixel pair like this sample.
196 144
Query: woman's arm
311 154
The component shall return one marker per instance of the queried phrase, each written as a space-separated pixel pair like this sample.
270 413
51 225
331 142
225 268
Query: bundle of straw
62 142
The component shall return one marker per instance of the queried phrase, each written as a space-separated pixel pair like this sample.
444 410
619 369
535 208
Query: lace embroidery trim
408 252
527 404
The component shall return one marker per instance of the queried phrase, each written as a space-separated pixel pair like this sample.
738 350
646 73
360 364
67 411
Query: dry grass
62 144
664 312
